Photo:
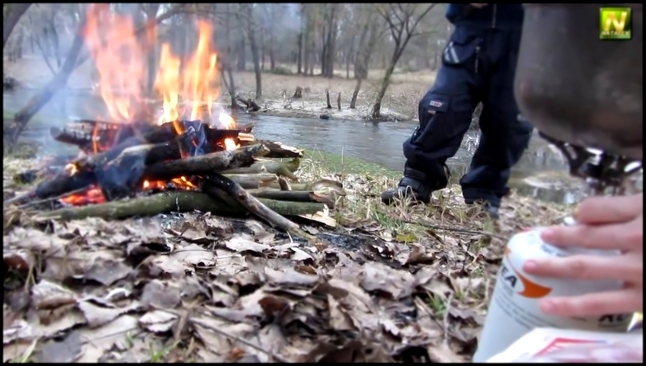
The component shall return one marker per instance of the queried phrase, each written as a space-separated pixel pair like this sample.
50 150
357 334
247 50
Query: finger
625 236
614 302
626 267
609 209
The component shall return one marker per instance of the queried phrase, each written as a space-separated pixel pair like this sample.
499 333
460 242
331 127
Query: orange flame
187 88
228 123
119 60
119 56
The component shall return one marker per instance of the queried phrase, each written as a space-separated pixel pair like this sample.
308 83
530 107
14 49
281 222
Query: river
377 143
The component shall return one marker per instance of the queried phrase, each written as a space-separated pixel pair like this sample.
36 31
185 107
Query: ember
187 147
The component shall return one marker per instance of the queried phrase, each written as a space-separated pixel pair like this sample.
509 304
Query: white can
513 310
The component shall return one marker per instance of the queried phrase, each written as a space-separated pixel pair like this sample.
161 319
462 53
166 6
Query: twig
235 191
52 199
235 338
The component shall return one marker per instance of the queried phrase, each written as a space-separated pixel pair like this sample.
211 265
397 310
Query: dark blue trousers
478 65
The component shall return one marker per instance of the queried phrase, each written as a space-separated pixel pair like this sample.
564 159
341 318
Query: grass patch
446 220
328 163
34 122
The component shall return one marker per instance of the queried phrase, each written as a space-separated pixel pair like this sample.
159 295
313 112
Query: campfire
186 156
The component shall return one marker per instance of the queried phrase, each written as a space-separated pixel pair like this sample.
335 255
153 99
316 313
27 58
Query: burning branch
67 181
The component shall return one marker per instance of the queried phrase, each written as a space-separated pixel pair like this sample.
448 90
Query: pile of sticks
120 158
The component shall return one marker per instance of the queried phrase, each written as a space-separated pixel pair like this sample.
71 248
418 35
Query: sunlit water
378 143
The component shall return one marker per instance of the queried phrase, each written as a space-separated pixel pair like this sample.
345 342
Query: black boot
414 184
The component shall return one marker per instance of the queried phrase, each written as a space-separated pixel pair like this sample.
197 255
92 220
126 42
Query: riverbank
278 87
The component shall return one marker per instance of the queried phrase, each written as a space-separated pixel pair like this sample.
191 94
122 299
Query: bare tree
307 11
225 62
402 20
58 81
271 16
11 14
367 41
150 10
250 30
329 34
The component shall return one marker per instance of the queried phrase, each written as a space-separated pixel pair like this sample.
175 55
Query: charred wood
205 164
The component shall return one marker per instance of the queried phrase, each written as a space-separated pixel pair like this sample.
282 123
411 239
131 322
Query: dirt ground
400 102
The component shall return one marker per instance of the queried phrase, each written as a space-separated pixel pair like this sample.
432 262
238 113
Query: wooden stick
159 134
277 149
256 207
205 164
285 169
175 201
252 181
319 185
294 196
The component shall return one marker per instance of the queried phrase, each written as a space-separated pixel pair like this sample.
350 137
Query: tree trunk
58 82
330 41
242 61
299 57
14 13
255 55
52 35
355 94
272 59
361 49
44 53
364 53
151 41
306 51
385 82
262 48
323 54
348 58
311 55
226 65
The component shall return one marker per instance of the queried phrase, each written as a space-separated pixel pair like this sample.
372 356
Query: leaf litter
200 288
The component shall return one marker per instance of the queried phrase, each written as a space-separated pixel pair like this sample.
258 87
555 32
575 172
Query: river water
378 143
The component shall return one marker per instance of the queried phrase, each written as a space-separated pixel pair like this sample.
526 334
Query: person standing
478 65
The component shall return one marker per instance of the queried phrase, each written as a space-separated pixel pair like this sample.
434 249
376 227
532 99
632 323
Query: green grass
343 164
34 123
447 213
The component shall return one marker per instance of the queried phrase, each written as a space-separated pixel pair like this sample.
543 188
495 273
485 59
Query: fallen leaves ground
389 284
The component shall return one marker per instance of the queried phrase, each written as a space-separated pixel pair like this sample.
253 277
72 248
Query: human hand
611 223
478 5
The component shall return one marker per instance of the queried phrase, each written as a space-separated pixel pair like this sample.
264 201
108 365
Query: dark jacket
500 16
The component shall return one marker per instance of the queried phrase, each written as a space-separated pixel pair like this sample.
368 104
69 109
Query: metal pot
577 88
